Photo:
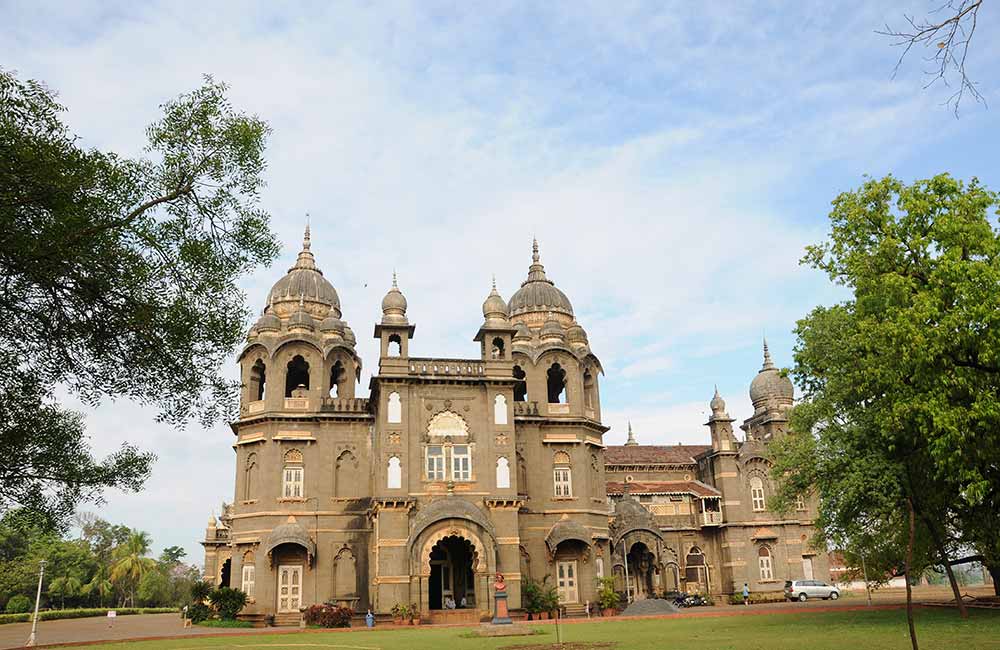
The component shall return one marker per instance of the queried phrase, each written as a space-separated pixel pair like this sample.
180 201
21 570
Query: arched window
520 386
497 350
757 494
500 410
562 476
250 477
293 475
599 567
800 502
503 472
347 478
695 570
395 473
395 346
297 375
764 562
394 412
336 376
249 574
557 384
258 378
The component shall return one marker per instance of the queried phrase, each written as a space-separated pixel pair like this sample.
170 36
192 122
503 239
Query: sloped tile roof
696 488
653 454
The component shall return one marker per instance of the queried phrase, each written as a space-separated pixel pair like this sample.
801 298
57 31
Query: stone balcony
458 368
526 409
345 405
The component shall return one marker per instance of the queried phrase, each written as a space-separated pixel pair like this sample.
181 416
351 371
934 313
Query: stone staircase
287 619
575 610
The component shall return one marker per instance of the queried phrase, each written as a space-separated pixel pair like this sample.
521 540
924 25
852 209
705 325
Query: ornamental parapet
447 367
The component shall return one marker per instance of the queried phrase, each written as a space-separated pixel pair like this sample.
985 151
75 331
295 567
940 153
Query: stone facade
453 469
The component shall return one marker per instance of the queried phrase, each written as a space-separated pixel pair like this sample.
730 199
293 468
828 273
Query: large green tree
118 279
901 380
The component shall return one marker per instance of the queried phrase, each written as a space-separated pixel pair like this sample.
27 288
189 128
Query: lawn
884 629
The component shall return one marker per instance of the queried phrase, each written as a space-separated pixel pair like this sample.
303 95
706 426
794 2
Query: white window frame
562 481
765 566
249 575
800 503
503 473
394 480
757 500
435 469
461 463
293 482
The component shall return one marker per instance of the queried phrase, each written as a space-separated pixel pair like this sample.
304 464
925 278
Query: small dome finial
306 239
631 437
717 404
394 285
534 250
494 281
768 363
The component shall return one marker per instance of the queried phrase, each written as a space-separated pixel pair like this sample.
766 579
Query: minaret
631 437
495 334
394 328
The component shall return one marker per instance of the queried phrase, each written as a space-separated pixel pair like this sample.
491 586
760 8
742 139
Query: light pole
38 597
868 590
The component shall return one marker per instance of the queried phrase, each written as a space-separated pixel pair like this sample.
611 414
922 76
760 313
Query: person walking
746 594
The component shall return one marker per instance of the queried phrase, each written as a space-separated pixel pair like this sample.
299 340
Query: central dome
770 388
305 282
538 293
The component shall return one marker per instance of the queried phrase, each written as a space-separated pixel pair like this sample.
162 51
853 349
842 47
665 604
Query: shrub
227 602
200 591
400 610
531 594
218 623
18 604
56 614
328 615
199 612
607 597
764 597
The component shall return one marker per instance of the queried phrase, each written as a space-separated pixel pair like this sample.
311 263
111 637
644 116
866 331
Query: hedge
755 598
56 614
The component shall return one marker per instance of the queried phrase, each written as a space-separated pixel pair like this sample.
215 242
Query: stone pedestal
501 615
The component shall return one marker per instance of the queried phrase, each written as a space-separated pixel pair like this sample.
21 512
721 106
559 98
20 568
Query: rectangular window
563 482
757 498
800 503
293 482
248 580
461 463
645 498
435 463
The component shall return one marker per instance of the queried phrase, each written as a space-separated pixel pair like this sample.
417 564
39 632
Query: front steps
287 619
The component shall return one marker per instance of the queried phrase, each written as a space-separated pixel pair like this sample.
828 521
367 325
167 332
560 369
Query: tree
131 564
171 556
901 381
118 279
947 33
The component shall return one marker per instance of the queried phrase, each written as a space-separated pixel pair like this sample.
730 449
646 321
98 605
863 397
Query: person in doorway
449 603
746 594
463 603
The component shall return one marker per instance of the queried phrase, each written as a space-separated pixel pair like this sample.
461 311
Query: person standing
746 594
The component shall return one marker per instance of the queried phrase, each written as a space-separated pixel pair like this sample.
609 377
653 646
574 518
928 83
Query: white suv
803 590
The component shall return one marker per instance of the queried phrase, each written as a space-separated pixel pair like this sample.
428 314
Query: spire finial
631 437
306 240
768 363
534 250
717 391
394 285
494 281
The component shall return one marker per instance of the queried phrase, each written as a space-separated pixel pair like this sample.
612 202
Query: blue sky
673 160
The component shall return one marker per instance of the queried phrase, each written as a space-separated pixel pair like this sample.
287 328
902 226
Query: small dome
769 387
552 330
268 322
522 332
718 404
349 336
495 307
301 319
305 280
394 305
538 293
576 334
332 325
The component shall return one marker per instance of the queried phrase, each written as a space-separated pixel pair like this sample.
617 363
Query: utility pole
38 598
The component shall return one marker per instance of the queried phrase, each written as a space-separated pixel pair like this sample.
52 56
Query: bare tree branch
948 40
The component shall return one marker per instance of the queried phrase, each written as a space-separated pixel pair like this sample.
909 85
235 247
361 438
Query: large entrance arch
452 581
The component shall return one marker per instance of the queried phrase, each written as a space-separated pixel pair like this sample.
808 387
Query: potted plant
414 614
551 601
400 613
607 598
531 593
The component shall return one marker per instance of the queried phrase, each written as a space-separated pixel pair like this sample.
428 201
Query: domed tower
772 395
553 362
720 424
298 350
496 333
395 330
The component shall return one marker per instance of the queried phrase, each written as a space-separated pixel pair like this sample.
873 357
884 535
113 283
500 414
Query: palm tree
99 585
64 587
130 562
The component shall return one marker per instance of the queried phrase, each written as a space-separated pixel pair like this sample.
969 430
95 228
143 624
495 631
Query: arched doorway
452 581
641 567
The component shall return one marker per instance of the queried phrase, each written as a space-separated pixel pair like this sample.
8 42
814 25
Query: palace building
450 470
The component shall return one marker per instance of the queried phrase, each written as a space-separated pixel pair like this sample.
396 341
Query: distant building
453 469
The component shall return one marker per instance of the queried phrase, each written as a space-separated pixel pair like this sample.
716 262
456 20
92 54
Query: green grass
936 629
